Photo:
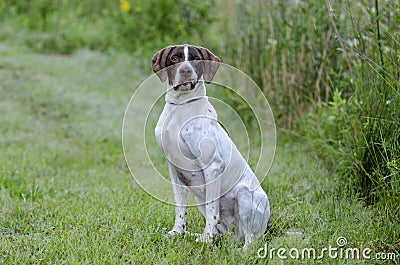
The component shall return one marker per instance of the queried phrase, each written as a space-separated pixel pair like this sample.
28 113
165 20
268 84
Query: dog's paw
205 238
175 232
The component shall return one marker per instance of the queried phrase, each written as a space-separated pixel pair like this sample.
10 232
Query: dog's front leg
180 208
213 191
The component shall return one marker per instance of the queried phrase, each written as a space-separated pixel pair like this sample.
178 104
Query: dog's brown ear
210 67
159 62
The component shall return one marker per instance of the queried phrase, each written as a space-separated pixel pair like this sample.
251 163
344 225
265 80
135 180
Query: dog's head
184 65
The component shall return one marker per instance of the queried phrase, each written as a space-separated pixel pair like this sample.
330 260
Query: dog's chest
172 120
168 135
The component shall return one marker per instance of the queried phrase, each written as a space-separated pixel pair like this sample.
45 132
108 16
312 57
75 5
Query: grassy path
66 195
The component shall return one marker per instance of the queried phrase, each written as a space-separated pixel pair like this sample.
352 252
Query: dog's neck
183 97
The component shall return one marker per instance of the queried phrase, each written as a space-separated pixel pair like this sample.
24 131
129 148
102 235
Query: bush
63 26
154 23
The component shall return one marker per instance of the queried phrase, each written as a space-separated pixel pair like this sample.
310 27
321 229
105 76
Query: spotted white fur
225 188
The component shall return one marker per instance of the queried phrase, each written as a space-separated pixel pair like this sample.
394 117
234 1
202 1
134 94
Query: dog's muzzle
186 78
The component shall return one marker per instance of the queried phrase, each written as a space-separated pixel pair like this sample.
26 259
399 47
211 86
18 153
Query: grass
66 195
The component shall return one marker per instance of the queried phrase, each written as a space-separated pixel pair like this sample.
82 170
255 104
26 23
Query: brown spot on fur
201 58
183 179
159 62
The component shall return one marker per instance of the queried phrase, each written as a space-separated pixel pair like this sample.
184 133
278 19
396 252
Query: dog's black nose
185 70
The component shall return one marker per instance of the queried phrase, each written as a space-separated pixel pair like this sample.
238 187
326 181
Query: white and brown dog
202 158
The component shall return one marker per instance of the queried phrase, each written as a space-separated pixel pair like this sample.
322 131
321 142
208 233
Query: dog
202 159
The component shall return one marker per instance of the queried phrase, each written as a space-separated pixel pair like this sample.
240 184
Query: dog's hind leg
252 213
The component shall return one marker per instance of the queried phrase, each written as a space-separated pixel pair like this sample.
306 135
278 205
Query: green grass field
66 195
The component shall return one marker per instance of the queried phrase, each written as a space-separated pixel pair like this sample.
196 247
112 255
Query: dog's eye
197 58
174 59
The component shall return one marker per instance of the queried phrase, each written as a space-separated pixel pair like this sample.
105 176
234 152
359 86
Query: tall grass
288 48
375 151
331 70
364 124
